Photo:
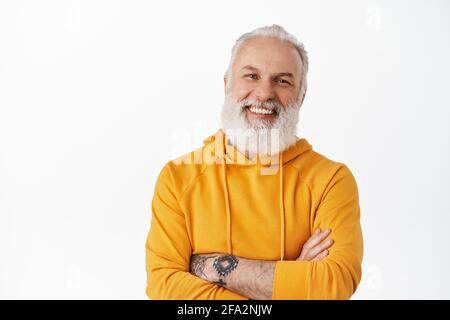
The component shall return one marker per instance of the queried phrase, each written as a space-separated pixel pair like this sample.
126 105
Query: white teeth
260 110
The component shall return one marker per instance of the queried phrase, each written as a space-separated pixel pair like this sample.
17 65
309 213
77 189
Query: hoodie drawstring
228 211
227 205
282 218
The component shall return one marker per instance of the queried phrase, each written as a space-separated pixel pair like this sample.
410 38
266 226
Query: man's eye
251 76
282 81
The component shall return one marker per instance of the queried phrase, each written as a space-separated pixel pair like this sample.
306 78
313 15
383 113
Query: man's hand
316 249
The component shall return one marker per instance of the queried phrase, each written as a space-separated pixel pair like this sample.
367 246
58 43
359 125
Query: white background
95 96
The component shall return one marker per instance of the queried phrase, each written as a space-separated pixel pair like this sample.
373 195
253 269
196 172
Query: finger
313 240
316 238
320 247
321 256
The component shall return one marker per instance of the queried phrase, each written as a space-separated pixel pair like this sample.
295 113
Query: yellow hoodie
215 200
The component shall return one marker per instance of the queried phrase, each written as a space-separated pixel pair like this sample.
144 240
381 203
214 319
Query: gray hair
274 31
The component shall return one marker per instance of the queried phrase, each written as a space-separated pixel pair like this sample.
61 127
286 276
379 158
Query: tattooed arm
252 278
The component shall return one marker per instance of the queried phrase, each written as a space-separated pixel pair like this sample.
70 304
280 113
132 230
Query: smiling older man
256 213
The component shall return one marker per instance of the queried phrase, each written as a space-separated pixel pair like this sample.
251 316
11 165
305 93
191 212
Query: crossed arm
252 278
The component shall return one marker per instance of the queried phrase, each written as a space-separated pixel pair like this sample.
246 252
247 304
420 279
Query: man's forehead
268 54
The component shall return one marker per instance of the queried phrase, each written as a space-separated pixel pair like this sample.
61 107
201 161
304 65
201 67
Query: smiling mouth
260 110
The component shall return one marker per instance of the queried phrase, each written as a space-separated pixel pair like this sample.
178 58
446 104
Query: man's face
266 69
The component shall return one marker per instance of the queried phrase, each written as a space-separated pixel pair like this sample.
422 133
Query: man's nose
265 91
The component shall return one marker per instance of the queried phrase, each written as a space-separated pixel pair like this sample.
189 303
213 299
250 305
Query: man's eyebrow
249 67
284 74
280 74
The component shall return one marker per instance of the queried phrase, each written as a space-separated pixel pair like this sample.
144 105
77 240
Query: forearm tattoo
224 265
198 264
220 282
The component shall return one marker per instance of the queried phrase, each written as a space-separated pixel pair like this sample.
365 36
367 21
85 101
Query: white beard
259 137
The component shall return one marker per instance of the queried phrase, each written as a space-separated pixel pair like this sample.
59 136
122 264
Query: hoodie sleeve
338 275
168 251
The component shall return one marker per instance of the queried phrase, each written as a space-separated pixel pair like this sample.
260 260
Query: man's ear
225 83
303 98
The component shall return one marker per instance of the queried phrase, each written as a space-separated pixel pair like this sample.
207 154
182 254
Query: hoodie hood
217 145
226 154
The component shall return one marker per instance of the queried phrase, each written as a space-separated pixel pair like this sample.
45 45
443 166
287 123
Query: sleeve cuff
290 280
